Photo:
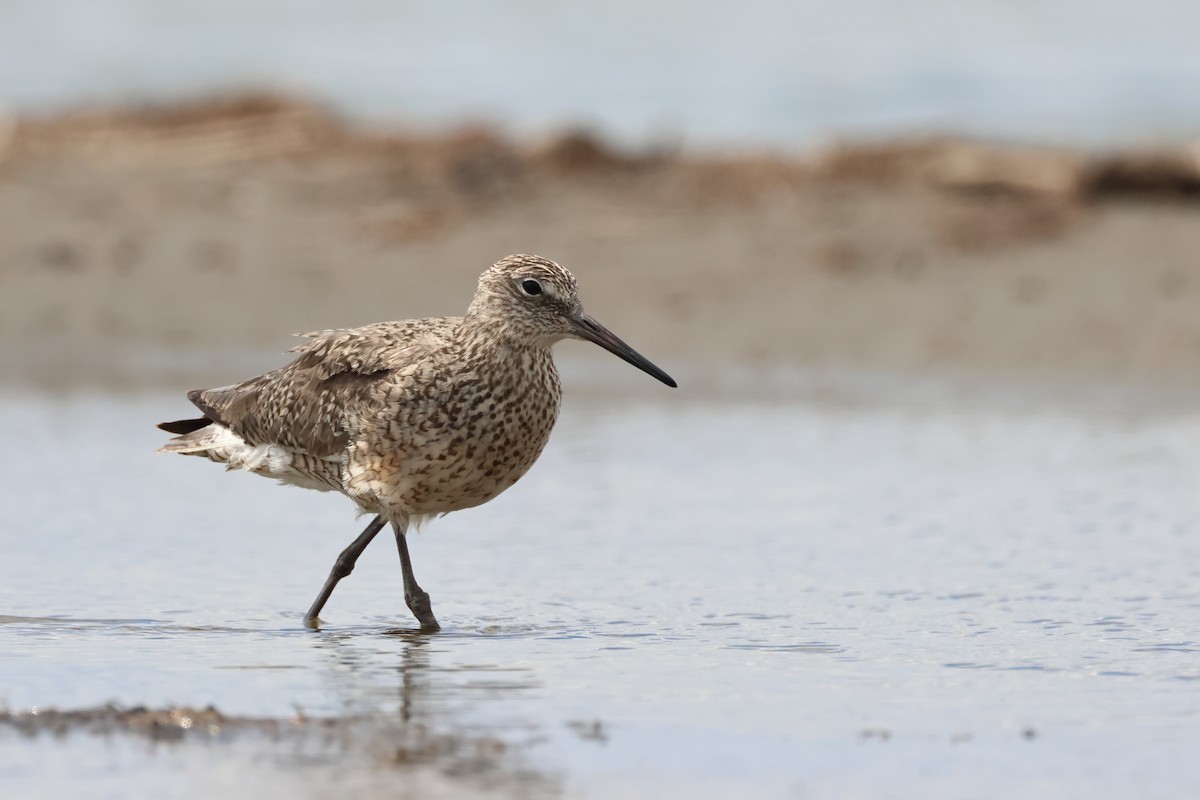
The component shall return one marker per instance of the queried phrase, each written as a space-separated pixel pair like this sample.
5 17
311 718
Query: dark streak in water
808 647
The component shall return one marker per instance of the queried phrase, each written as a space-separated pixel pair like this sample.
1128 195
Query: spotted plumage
409 419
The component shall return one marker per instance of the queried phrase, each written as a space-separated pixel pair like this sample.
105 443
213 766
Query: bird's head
533 300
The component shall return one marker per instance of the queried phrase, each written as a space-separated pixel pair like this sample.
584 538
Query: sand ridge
151 246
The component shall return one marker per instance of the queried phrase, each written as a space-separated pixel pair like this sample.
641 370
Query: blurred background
920 521
943 186
718 73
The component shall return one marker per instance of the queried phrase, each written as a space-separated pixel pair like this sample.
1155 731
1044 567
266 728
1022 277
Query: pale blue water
712 73
941 599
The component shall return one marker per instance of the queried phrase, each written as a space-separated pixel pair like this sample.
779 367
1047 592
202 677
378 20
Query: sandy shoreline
142 247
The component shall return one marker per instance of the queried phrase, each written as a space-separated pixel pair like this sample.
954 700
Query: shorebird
411 419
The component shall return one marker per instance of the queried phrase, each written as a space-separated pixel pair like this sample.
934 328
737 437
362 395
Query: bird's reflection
414 671
413 705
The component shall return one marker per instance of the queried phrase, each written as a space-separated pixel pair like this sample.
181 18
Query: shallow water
684 599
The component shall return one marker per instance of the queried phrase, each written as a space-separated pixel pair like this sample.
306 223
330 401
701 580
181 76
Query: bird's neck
481 340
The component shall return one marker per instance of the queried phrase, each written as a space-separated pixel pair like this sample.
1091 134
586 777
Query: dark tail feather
182 426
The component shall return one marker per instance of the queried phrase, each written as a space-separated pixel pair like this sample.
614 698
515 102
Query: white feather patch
222 445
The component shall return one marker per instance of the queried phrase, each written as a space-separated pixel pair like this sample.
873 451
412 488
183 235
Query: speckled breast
486 432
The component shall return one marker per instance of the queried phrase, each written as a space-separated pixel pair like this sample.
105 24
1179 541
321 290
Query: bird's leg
416 598
341 568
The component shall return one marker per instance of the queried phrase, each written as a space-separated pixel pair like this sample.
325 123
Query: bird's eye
531 287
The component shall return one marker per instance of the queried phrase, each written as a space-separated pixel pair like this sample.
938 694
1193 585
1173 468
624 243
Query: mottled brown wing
312 405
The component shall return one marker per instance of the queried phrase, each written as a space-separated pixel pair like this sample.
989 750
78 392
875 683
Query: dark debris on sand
254 126
160 724
384 742
1004 192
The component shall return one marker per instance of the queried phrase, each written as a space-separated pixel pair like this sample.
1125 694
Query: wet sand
143 247
327 756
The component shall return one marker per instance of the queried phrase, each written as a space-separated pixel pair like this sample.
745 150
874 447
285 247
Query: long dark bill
588 328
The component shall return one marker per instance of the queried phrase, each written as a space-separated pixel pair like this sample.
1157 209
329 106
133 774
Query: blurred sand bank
152 246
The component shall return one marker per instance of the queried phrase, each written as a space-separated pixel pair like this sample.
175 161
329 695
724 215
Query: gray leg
414 596
341 568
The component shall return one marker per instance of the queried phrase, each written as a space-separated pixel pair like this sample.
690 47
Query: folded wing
313 404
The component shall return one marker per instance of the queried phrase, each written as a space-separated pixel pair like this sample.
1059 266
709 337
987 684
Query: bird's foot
419 604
